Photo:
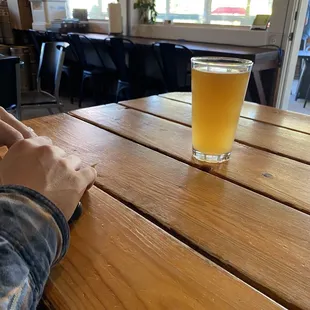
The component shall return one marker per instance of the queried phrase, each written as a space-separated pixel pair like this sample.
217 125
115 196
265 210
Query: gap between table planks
261 241
117 259
290 120
280 141
169 274
263 172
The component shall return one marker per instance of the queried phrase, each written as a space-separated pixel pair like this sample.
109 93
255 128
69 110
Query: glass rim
230 62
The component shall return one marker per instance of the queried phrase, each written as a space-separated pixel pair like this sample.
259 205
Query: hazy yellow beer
218 86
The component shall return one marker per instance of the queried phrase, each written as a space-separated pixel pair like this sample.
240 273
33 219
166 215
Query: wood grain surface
119 260
269 115
264 136
274 176
262 241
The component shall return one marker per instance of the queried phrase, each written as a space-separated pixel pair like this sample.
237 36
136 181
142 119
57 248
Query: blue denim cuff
48 206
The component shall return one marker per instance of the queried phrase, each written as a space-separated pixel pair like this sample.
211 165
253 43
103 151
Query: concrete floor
297 106
33 113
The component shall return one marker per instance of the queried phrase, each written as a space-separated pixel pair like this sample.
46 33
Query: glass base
213 159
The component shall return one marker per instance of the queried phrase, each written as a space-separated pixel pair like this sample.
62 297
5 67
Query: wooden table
263 58
160 231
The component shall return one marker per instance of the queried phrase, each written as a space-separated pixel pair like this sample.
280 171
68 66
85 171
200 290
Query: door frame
291 44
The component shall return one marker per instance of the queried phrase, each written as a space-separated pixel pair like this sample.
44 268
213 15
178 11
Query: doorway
294 90
300 90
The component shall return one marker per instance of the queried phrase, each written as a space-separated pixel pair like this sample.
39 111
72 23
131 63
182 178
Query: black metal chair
121 56
131 61
37 38
52 36
48 80
10 88
88 55
21 37
174 61
304 78
70 67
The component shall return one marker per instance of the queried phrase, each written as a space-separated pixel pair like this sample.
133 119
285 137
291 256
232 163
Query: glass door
300 91
295 77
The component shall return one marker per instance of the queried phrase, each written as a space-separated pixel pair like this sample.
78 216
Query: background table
162 231
266 62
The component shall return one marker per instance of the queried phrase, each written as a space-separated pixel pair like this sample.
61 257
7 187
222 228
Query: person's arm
48 185
34 235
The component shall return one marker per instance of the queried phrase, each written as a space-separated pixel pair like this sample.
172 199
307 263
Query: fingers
16 124
88 176
73 162
9 135
40 141
58 152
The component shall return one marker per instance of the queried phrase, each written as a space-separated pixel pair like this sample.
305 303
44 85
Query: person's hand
12 130
37 164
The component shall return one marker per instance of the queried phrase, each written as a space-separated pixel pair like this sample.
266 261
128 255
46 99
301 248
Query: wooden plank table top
275 139
220 219
161 231
117 258
265 177
295 121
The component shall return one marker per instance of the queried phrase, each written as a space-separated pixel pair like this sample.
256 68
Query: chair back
21 37
37 38
86 52
77 44
50 67
122 52
10 89
174 61
52 36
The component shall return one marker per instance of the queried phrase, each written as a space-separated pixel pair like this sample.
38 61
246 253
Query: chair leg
307 97
123 88
96 86
70 86
82 91
61 109
118 91
19 114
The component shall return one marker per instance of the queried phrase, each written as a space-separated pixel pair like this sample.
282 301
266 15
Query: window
97 9
216 12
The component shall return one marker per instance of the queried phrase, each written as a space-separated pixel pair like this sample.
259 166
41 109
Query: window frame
207 13
236 35
102 25
95 20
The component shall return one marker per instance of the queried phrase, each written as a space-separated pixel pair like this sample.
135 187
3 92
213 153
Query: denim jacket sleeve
34 235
